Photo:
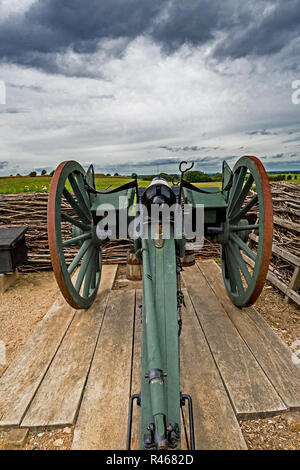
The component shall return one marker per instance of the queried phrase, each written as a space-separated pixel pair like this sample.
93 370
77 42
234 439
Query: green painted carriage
230 216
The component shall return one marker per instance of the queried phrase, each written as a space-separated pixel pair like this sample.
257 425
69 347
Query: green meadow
27 184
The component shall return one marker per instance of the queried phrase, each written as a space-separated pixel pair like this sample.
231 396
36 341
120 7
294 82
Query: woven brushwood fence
30 209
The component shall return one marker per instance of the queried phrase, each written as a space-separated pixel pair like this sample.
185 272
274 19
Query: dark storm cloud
53 26
3 165
37 89
192 148
262 132
13 111
206 163
279 155
266 32
50 27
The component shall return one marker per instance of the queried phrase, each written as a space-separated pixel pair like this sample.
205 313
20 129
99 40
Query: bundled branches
30 209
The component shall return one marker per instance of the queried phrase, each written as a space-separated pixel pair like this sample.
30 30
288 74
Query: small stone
40 434
58 443
67 430
293 420
15 439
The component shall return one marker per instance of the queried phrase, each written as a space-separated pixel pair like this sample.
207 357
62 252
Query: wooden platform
81 367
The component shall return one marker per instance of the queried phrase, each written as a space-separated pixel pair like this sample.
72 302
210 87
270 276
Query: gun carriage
74 220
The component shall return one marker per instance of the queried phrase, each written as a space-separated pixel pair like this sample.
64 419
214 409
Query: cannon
81 219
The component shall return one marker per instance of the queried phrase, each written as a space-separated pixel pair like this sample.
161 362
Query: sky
139 85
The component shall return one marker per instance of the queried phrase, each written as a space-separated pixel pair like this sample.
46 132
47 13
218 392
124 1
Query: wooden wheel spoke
245 209
79 196
73 221
237 204
79 256
80 238
235 271
242 228
241 263
242 245
83 269
80 183
230 270
89 275
232 190
95 270
238 186
81 214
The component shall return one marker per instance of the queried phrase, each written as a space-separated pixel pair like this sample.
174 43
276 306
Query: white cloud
10 7
142 100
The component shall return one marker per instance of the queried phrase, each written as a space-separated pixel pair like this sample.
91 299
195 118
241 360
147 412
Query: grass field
23 184
26 184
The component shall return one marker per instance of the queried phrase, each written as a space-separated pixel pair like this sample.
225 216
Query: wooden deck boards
102 419
22 378
57 399
271 353
83 366
250 390
216 426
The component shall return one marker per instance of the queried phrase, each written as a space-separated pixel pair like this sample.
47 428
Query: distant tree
43 172
148 177
276 177
197 177
289 177
165 176
295 177
18 175
51 173
116 174
108 174
32 174
217 177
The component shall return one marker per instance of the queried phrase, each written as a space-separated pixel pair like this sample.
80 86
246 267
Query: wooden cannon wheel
244 285
70 225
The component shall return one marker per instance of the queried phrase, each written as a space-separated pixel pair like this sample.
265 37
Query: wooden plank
24 375
249 389
102 419
295 281
57 400
273 355
136 370
284 254
286 224
216 426
277 283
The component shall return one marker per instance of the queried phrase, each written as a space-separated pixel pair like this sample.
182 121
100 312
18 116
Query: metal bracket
183 399
156 374
136 397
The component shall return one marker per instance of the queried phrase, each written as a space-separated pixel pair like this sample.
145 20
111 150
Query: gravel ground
22 306
283 431
25 304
